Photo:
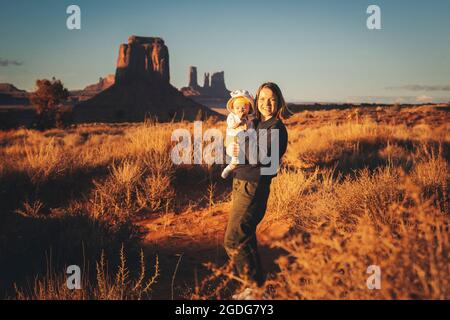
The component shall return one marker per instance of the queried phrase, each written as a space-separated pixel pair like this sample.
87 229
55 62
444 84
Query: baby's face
240 109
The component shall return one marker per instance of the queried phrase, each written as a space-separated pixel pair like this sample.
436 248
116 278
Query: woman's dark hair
281 108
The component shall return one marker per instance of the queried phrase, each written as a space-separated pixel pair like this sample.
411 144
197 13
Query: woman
251 188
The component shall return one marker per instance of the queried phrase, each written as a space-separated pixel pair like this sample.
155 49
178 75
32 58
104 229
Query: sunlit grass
353 191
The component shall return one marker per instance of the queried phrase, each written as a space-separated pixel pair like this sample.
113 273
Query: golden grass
408 240
353 195
338 229
354 190
120 286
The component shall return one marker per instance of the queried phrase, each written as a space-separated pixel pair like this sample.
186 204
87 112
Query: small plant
121 287
106 287
31 210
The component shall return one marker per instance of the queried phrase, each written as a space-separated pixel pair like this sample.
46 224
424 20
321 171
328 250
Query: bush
48 99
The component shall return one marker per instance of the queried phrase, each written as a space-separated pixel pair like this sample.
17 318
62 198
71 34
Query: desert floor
357 187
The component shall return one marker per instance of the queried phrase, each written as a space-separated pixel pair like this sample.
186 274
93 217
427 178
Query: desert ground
357 187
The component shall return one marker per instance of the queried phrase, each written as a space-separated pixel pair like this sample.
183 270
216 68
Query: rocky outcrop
141 89
102 84
215 89
10 88
193 78
92 90
141 57
10 95
214 92
218 88
206 80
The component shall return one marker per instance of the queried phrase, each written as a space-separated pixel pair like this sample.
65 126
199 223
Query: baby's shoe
226 172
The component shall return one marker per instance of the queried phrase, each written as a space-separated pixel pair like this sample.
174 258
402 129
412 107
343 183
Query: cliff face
215 89
141 57
141 88
218 87
193 78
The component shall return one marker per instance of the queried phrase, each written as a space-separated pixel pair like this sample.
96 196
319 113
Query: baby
240 107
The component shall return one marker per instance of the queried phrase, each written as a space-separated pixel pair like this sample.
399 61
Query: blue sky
315 50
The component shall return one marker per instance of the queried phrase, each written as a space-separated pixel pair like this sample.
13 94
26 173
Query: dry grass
405 236
107 287
356 189
353 195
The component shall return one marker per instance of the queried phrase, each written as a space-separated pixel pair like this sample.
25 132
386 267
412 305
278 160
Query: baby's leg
228 169
235 160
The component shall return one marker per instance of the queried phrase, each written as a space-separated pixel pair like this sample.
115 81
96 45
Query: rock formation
193 78
206 81
102 84
216 89
92 90
10 95
10 88
143 56
141 89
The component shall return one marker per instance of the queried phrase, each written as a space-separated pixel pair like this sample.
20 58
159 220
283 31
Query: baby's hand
235 126
242 123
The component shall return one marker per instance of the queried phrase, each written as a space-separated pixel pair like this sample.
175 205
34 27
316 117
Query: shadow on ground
182 268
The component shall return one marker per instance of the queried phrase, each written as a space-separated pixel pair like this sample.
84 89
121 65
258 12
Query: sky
319 51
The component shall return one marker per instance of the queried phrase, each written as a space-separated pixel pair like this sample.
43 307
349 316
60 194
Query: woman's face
267 102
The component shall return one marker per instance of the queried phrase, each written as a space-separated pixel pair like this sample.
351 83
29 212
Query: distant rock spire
218 81
206 80
193 77
213 86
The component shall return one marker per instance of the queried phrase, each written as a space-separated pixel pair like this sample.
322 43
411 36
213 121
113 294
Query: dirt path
184 242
